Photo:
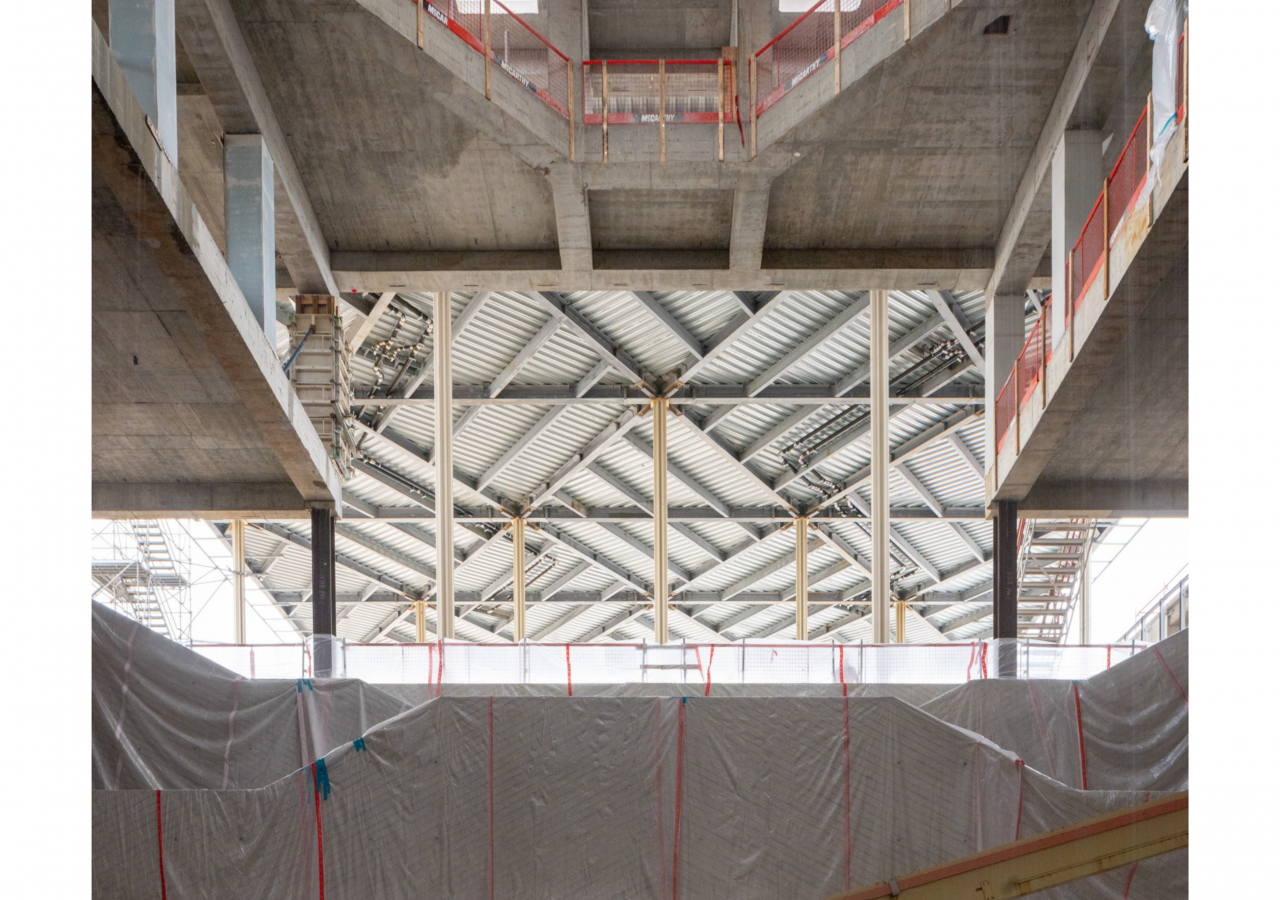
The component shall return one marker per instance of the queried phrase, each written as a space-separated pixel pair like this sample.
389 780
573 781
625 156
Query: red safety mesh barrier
1086 256
1005 407
809 42
635 91
1029 363
1128 176
518 50
1027 369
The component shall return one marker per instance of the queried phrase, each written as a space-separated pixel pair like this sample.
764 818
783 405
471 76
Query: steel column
880 467
802 578
1086 579
324 595
240 571
517 569
661 585
1005 582
443 457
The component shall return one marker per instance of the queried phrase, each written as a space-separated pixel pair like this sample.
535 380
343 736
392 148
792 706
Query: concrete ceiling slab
660 220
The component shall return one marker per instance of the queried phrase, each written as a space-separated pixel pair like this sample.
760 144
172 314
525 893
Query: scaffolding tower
143 570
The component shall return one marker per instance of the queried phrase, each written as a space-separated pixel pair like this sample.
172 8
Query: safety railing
1163 616
508 43
700 665
808 43
659 92
1028 374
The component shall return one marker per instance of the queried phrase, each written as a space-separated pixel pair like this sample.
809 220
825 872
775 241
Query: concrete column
238 578
517 586
324 595
802 578
251 224
1004 579
880 467
142 38
1005 335
443 455
661 584
1076 183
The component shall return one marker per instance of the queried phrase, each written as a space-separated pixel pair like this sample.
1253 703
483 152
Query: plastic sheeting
702 797
165 717
1164 25
1123 729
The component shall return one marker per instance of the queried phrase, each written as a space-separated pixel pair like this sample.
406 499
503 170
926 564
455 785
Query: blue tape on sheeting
307 682
358 743
322 778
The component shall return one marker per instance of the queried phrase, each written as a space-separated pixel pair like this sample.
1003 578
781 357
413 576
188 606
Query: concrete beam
374 271
1017 254
188 500
573 218
750 215
217 48
146 184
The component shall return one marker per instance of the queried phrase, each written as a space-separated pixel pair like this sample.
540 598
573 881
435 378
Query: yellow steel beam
1047 860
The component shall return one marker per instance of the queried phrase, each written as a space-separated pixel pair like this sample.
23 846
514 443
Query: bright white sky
1153 557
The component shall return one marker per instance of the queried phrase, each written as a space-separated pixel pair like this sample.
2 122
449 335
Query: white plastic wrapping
702 797
1164 25
1123 729
165 717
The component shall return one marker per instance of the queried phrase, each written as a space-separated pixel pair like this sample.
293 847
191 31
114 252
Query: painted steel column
899 621
1005 585
324 597
661 585
802 578
880 467
517 569
443 454
141 33
238 577
251 224
1076 182
420 621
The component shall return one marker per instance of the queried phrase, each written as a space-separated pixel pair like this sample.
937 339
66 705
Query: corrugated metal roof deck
507 321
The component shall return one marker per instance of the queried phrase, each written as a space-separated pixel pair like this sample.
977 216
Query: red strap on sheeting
1160 657
1129 881
568 669
1084 775
1017 831
319 834
490 798
984 660
675 853
710 657
440 670
160 845
973 651
844 688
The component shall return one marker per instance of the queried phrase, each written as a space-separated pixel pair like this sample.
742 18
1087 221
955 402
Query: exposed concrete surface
186 387
660 220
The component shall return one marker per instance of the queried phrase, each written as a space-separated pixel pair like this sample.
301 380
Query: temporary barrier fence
1027 375
810 42
513 46
459 662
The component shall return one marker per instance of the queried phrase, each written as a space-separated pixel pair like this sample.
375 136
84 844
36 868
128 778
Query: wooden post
517 589
573 125
604 107
662 110
1017 410
1070 311
488 51
1045 317
835 27
720 107
906 21
1186 89
421 42
751 63
1106 239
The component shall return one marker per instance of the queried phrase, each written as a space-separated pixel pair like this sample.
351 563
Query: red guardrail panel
635 92
1128 176
518 50
809 42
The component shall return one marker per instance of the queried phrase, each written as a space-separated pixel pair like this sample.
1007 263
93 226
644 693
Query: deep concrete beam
169 500
218 50
1020 250
146 184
